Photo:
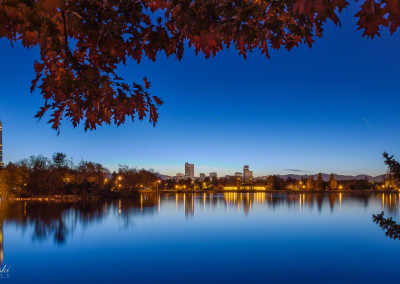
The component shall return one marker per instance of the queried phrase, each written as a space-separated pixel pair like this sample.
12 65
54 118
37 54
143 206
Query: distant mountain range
163 177
325 177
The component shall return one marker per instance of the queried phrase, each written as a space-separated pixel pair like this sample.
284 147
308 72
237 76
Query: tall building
179 176
1 146
213 176
247 174
202 176
189 171
238 174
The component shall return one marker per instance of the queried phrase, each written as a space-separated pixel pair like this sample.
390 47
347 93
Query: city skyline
247 175
190 173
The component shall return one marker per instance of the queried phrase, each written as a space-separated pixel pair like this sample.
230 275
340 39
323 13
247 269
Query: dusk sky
332 108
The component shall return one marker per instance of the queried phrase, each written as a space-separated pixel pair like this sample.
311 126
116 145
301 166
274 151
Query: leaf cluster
393 165
391 228
82 43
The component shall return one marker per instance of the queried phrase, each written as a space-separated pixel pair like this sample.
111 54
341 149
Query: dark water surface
209 238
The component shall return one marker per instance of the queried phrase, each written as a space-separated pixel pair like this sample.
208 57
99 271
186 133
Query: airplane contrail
366 121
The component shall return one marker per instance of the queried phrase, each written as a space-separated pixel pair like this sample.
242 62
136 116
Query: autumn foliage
82 43
39 176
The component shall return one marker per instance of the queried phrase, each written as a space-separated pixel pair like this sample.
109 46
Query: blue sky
332 108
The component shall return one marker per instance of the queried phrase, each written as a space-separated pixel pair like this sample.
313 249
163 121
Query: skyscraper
202 176
238 175
1 145
247 174
179 176
213 176
189 171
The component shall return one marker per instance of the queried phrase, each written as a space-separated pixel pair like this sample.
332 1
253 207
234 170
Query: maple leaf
146 83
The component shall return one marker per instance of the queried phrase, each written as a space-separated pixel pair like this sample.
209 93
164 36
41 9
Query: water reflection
248 233
55 218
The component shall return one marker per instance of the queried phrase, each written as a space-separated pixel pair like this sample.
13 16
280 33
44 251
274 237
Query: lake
208 238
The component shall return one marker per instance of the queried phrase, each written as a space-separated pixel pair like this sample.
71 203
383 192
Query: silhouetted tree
391 228
390 183
362 184
39 176
332 182
393 165
310 182
13 180
60 160
270 183
319 183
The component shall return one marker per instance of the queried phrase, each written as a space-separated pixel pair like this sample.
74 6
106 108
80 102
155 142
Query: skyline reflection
159 221
57 218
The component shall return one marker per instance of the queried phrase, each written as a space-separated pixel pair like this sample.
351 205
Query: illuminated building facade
213 176
243 187
189 171
247 174
238 175
1 146
179 176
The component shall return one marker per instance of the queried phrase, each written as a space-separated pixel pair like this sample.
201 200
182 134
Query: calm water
209 238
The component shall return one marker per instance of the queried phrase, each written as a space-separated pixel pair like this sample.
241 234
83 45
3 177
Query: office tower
247 174
213 176
179 176
202 176
238 175
189 171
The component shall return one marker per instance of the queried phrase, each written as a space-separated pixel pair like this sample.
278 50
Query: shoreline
92 198
269 191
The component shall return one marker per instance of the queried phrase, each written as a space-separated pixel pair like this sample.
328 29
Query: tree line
272 182
41 176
